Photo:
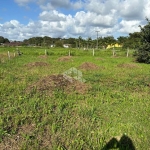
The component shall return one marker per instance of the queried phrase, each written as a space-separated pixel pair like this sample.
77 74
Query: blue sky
10 10
23 19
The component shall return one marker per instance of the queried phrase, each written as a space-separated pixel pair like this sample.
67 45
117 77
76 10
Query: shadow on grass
125 143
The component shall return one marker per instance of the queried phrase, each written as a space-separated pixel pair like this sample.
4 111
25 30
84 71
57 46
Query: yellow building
113 45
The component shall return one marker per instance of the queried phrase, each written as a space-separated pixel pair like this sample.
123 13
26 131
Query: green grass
116 105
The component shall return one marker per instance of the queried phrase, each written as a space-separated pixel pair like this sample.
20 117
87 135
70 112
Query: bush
143 54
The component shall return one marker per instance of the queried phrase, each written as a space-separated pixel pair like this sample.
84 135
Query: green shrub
143 54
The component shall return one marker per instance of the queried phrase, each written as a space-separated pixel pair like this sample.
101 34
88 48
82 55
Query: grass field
110 110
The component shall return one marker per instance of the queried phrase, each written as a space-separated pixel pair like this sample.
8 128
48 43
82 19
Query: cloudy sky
22 19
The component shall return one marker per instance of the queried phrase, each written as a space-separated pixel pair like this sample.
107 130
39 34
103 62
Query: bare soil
65 58
88 66
25 132
36 64
130 66
58 83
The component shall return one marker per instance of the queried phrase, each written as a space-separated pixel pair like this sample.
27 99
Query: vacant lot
103 103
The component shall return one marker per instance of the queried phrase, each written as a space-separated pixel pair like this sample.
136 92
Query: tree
71 41
89 39
100 42
38 41
59 43
109 40
80 41
47 41
3 40
134 40
143 54
122 40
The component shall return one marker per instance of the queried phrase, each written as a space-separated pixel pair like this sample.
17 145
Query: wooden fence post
113 52
128 52
8 55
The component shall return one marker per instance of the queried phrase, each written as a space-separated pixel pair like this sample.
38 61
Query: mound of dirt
56 83
130 66
65 58
37 64
88 66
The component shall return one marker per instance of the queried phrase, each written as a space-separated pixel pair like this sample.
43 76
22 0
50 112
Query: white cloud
60 3
101 6
54 4
129 26
93 19
10 25
77 5
107 16
24 2
14 22
52 16
147 10
132 9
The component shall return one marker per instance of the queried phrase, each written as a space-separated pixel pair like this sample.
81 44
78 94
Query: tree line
132 41
3 40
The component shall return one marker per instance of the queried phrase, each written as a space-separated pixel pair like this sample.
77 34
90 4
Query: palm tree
88 42
80 41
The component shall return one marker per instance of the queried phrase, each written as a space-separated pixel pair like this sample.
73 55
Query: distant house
66 45
113 45
52 45
13 44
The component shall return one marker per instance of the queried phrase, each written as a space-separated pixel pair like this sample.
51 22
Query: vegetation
132 41
144 49
114 110
3 40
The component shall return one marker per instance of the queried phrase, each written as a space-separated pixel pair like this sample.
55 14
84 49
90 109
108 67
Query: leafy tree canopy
143 54
3 40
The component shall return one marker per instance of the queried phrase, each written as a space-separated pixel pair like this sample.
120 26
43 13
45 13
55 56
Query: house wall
116 45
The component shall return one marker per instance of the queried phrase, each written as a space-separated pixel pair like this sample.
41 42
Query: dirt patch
58 83
36 64
88 66
65 58
130 66
19 140
14 142
11 143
